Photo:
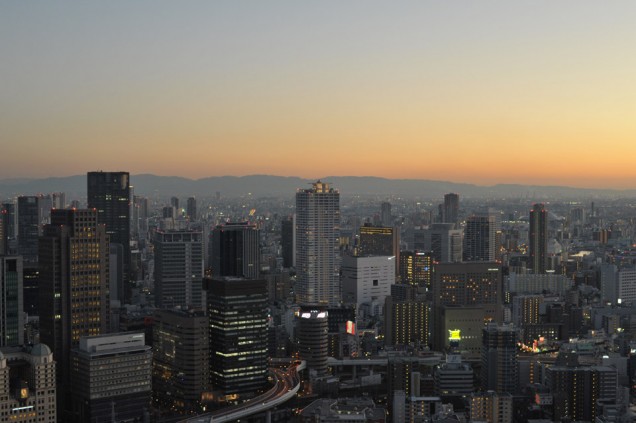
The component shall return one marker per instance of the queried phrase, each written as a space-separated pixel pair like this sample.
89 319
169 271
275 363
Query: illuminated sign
351 327
322 315
305 315
454 334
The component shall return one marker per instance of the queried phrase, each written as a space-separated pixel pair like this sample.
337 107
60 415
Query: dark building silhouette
480 238
451 208
287 241
538 237
236 250
30 217
191 209
237 309
385 214
109 194
73 286
499 371
380 241
11 316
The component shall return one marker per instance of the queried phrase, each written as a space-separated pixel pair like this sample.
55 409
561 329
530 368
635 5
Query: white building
367 279
317 245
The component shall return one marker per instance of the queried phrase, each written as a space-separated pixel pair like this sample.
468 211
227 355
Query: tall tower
385 214
317 236
236 250
499 359
109 193
11 315
237 309
30 217
191 209
480 238
73 286
178 268
451 208
538 238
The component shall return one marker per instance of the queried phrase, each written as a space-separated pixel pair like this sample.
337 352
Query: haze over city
499 92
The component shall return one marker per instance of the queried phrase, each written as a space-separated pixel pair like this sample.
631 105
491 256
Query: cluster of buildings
132 309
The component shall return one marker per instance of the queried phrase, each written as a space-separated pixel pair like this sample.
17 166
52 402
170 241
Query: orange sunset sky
537 92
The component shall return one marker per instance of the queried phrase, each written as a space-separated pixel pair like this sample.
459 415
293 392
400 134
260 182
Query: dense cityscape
317 306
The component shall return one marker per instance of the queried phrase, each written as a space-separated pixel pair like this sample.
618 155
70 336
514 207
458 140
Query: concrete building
367 279
317 245
416 268
406 322
235 251
111 378
11 301
380 241
181 357
453 377
538 238
491 407
27 385
343 410
499 370
444 242
480 238
312 336
178 268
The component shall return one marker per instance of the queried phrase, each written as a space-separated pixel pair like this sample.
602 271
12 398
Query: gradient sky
537 92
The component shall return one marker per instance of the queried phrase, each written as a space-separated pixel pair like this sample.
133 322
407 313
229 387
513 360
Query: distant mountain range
280 186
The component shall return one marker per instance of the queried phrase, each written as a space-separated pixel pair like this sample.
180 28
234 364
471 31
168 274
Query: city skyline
464 92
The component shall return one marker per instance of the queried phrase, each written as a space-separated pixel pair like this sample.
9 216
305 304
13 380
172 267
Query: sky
486 92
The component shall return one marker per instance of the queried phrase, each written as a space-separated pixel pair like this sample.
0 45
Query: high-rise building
312 335
538 238
191 209
406 322
367 279
174 202
465 285
111 378
58 200
499 371
181 360
288 241
27 385
4 231
380 241
480 238
178 268
453 377
11 302
8 210
109 194
236 251
73 284
237 309
30 218
140 217
317 245
444 242
385 214
491 407
416 268
451 208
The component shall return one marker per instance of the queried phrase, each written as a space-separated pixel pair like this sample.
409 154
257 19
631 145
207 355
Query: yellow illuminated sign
454 334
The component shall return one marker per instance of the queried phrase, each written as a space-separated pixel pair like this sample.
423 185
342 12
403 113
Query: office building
317 245
9 212
312 336
237 309
236 251
416 268
451 208
491 407
4 231
288 241
32 213
499 371
109 194
73 285
11 301
140 217
406 322
538 238
453 377
178 268
367 279
525 310
480 238
181 360
466 285
27 385
385 214
380 241
443 241
111 378
191 209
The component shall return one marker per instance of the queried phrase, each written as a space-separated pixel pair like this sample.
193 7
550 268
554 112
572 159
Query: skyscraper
109 193
191 209
317 244
11 315
73 286
499 371
30 218
178 268
416 268
480 238
451 208
236 250
444 242
385 214
287 240
538 237
237 309
380 241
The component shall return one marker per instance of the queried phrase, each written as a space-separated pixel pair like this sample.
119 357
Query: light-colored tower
317 233
538 238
